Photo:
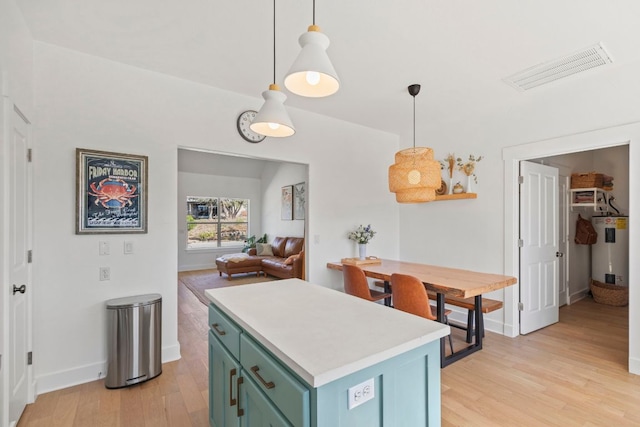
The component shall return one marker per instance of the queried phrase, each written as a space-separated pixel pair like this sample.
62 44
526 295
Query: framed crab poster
111 193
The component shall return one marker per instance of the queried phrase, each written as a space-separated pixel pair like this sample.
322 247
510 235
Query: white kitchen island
292 353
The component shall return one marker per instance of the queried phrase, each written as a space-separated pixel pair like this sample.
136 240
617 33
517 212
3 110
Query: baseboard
71 377
87 373
573 298
209 266
169 354
491 325
634 365
511 331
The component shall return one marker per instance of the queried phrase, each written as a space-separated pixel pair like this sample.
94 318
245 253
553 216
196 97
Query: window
215 222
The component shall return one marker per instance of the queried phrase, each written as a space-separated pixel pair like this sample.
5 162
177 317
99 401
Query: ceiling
458 50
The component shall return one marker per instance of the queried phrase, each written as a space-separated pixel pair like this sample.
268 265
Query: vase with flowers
362 235
450 163
468 168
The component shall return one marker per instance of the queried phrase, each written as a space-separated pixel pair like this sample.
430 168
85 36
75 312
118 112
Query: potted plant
250 243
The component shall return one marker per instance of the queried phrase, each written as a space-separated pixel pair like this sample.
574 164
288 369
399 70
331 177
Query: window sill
224 249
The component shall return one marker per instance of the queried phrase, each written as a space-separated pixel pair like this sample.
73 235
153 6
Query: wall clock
244 120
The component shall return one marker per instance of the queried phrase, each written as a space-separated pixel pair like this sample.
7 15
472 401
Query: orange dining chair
355 283
410 295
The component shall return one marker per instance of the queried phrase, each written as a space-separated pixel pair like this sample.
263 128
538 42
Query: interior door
19 274
539 213
563 239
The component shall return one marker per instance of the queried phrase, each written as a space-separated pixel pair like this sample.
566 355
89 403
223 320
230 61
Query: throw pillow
263 249
290 260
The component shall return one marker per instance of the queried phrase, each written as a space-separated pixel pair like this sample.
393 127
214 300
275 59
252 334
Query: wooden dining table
444 281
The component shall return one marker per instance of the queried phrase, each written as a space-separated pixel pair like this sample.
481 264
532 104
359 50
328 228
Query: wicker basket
605 293
587 180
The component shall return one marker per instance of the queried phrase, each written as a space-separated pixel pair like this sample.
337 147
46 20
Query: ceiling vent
586 59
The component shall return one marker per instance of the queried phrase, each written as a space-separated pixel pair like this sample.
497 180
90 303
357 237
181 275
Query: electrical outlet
361 393
105 273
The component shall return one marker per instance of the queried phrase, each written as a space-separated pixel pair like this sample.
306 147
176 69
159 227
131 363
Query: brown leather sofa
286 262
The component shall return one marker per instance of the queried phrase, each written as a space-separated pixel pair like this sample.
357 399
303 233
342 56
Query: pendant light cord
414 124
314 12
274 41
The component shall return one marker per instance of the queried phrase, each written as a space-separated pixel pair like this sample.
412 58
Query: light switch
103 248
128 248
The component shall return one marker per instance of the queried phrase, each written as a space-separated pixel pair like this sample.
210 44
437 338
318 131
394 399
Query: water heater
610 253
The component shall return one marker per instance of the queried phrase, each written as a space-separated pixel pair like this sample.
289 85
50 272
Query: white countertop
320 333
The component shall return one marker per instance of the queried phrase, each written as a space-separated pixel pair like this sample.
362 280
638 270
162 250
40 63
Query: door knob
559 254
22 289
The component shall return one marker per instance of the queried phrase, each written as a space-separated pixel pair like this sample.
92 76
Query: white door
539 246
19 272
563 240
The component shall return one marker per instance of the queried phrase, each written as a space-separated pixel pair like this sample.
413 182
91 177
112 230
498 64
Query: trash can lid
134 301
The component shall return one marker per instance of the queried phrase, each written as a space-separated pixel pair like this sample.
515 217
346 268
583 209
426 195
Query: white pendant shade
312 74
414 176
272 119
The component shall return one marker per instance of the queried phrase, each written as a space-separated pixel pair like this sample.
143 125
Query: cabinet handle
232 401
269 384
219 331
239 381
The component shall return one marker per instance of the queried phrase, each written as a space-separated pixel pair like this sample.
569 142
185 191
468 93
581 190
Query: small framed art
299 197
286 202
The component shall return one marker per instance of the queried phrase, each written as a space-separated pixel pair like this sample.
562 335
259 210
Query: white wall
193 184
83 101
274 177
615 162
16 87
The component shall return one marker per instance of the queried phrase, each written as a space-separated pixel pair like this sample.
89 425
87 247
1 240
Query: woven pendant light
414 176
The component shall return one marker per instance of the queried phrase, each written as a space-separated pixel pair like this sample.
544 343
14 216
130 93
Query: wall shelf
457 196
595 198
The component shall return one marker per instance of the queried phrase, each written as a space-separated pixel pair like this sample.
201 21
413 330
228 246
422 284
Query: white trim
623 134
575 297
87 373
195 267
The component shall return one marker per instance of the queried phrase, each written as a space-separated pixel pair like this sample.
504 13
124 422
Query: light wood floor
573 373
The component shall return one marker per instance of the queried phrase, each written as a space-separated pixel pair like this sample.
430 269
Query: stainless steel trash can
134 334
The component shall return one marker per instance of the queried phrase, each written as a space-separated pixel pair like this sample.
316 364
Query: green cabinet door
258 410
224 372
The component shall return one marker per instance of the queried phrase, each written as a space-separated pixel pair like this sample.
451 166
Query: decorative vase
363 250
469 178
451 185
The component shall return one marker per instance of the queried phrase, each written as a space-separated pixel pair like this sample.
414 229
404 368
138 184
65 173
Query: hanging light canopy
312 74
414 176
272 119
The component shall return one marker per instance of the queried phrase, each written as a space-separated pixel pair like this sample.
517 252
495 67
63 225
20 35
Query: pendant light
272 119
414 176
312 74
